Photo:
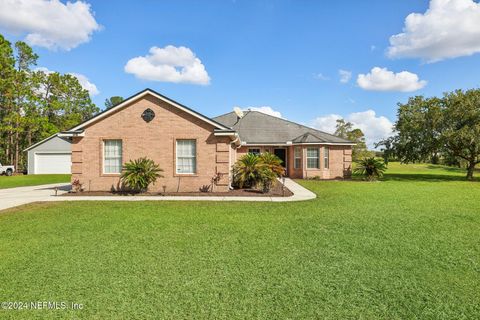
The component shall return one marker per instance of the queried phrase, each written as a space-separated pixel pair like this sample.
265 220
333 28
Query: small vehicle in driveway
6 170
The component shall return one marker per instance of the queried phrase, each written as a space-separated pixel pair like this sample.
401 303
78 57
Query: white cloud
86 84
326 123
266 110
82 79
169 64
382 79
374 127
50 24
344 75
448 29
320 76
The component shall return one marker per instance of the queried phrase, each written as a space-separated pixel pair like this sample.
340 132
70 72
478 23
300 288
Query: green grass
396 249
32 180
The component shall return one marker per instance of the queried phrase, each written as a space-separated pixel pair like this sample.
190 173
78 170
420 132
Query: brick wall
340 161
154 140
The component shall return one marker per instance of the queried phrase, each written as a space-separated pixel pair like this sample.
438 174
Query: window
313 155
298 158
254 151
112 156
186 156
326 156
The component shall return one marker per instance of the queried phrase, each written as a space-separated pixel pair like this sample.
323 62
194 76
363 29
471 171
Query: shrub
371 168
247 171
272 169
267 179
272 162
253 171
138 174
76 186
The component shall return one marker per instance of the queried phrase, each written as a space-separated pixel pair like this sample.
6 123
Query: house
50 156
305 152
192 148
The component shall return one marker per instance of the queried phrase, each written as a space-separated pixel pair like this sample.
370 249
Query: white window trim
318 159
326 158
295 157
189 157
103 157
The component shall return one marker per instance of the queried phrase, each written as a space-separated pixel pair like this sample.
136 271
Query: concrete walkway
17 196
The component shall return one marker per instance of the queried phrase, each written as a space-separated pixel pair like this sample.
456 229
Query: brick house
192 148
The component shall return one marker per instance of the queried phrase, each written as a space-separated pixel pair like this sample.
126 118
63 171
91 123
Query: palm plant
252 170
272 162
247 171
138 174
371 168
271 169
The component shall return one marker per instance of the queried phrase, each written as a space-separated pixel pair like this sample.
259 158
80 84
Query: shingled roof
260 128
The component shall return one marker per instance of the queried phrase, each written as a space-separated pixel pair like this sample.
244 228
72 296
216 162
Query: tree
34 104
345 130
63 101
387 146
23 95
449 126
113 101
7 74
460 133
359 150
419 128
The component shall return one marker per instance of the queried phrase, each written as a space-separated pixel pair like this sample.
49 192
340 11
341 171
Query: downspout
235 144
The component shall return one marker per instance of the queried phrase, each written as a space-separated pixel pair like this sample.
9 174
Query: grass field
32 180
403 248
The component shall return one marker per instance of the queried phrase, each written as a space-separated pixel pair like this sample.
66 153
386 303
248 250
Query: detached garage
50 156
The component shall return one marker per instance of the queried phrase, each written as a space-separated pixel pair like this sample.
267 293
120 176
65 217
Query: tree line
35 104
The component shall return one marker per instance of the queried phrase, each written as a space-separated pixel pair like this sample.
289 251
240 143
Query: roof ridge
223 114
304 126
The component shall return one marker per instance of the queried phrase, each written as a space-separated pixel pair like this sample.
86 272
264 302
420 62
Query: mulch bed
277 191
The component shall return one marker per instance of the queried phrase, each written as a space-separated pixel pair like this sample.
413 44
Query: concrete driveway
17 196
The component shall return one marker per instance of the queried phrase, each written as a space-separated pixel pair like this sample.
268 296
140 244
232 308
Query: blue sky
285 55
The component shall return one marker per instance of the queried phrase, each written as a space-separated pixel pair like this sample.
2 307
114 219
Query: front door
282 154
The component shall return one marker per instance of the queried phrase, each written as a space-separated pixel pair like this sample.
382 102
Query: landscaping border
13 197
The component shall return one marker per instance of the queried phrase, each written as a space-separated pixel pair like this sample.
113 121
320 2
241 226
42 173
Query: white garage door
53 163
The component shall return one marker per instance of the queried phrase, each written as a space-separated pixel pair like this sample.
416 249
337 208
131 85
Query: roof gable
46 140
141 94
307 138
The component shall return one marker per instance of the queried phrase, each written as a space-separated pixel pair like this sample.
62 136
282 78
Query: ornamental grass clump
139 174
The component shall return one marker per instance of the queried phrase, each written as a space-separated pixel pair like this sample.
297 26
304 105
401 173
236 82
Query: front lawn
32 180
396 249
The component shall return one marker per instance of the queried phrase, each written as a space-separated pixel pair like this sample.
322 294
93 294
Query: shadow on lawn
423 177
